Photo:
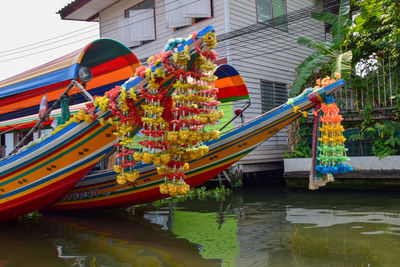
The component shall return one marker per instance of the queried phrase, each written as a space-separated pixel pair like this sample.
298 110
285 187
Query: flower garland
328 151
332 153
175 126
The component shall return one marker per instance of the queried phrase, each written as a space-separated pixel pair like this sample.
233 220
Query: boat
42 172
39 173
109 62
100 190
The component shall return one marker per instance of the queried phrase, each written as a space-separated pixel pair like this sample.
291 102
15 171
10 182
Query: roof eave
72 7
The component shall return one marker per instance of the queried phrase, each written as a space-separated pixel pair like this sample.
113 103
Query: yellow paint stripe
52 181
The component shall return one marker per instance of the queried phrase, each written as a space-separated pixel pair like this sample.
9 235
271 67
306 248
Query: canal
250 228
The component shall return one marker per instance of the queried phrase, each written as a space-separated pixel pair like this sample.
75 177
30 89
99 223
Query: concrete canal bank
369 173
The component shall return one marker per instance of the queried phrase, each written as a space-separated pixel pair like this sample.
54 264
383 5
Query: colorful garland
176 126
332 153
329 154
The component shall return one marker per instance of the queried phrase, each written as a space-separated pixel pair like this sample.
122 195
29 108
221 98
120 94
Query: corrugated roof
84 10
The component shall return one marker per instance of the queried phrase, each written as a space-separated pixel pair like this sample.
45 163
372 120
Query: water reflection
213 232
96 239
250 229
320 229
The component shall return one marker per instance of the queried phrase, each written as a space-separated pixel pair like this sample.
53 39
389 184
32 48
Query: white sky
27 22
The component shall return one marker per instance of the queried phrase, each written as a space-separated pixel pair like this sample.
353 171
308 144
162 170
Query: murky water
256 228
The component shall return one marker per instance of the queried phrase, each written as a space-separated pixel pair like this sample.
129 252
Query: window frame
272 15
194 22
126 15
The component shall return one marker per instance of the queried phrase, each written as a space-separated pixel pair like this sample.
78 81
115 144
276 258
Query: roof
84 10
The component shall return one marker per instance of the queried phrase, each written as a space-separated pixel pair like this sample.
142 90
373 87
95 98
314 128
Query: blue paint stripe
79 98
59 134
57 76
225 70
71 168
42 164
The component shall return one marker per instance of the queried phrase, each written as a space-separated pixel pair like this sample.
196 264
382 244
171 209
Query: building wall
272 55
116 12
269 54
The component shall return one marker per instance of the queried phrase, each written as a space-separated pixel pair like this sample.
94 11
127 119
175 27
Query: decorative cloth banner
230 84
43 107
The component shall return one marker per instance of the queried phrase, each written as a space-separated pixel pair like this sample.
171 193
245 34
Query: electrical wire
252 27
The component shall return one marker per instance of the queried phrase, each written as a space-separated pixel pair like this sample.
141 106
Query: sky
33 34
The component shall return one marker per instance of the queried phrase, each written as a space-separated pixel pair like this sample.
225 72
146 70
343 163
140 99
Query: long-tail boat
42 172
36 176
101 189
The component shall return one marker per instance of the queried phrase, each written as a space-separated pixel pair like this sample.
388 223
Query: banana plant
332 52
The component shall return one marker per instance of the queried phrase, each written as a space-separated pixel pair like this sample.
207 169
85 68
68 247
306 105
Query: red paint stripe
19 126
138 197
40 198
32 93
112 65
232 91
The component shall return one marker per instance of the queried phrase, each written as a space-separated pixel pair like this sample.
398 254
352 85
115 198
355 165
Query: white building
257 37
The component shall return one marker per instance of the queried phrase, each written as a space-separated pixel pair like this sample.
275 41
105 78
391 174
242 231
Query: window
137 28
182 13
272 95
272 12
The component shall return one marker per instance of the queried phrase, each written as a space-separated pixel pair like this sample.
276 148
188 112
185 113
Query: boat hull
43 173
102 190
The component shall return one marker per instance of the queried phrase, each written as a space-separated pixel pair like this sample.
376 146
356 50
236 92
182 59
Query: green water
255 228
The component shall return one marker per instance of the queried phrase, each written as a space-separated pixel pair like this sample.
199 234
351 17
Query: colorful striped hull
102 190
43 173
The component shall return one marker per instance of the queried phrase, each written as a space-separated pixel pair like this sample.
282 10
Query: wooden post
312 185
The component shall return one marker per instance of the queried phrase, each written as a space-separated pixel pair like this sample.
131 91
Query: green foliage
238 183
376 30
305 70
34 215
338 58
218 193
342 64
388 139
302 149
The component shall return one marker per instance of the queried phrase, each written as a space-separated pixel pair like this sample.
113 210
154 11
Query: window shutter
197 9
272 95
125 32
142 24
267 96
280 90
174 10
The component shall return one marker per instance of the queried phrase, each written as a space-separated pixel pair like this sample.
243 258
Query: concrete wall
370 173
358 163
